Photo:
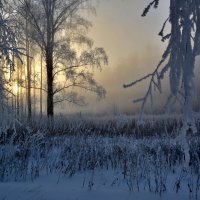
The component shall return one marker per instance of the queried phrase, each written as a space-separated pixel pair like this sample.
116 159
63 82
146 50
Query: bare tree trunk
13 96
41 82
12 101
18 89
25 91
21 94
28 74
49 66
34 92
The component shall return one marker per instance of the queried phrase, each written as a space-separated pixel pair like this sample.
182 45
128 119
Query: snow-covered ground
106 187
37 166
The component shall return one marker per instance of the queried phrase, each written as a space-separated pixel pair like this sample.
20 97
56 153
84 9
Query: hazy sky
133 47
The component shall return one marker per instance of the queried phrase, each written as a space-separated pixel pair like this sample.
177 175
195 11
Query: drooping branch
155 80
182 49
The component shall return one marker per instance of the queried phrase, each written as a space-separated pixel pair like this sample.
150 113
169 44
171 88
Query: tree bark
28 74
49 66
41 85
18 90
49 63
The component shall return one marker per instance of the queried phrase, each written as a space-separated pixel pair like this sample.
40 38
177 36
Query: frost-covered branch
180 54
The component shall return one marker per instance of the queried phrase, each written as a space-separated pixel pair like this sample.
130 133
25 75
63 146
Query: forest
49 62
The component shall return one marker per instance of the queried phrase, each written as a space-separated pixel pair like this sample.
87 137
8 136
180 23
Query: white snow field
106 187
85 164
36 167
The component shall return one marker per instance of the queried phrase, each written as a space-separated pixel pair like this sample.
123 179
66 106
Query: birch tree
179 56
179 59
50 19
8 49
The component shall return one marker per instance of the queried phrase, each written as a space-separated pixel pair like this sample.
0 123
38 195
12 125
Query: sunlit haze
133 47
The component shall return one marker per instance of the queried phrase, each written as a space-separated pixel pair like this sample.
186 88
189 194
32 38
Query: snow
36 166
75 188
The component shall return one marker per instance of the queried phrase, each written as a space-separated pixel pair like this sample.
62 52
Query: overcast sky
133 47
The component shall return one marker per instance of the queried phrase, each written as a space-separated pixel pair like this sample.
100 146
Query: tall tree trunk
34 92
18 90
49 66
21 93
13 101
41 83
28 74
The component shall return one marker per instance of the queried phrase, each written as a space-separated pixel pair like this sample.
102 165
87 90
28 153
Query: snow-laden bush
19 151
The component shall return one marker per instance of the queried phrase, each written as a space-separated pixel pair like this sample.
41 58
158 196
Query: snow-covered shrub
19 151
